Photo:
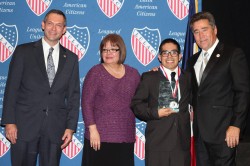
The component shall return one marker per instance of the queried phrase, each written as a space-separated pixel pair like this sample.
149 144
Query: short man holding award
162 100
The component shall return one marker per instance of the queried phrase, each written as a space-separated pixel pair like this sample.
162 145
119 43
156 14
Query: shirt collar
46 46
168 71
210 50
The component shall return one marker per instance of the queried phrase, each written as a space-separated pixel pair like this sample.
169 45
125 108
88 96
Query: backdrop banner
143 24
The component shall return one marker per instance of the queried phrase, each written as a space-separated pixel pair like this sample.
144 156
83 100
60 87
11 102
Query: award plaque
165 98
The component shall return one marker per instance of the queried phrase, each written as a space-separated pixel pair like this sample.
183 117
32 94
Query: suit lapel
62 60
38 52
216 55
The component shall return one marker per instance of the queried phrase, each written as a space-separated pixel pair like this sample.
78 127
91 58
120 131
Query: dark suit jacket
28 94
222 98
161 133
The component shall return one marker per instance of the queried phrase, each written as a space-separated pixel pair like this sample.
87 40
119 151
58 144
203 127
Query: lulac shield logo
180 8
4 143
139 148
75 146
8 41
145 44
39 6
76 39
110 7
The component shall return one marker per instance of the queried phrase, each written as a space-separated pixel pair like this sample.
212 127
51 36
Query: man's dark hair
170 40
55 11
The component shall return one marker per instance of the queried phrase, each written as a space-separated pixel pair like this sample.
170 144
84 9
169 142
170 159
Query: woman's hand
95 140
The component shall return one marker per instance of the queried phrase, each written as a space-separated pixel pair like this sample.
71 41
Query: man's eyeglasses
173 53
112 50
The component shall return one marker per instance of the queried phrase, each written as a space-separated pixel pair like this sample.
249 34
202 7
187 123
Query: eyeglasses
112 50
173 53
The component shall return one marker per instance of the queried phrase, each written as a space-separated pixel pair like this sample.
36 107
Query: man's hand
165 112
95 140
11 132
232 136
67 138
154 69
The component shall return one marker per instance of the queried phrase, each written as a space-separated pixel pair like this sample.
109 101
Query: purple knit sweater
106 103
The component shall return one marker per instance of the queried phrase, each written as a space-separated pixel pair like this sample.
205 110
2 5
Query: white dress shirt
176 78
198 63
55 53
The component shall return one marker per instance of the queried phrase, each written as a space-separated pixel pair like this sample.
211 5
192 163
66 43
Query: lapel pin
218 55
64 56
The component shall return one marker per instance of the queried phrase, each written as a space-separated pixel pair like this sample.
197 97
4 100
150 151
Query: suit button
49 93
44 110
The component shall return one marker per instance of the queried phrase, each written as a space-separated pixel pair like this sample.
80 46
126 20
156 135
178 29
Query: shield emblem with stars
4 143
76 145
110 7
145 44
180 8
139 148
39 6
76 39
8 41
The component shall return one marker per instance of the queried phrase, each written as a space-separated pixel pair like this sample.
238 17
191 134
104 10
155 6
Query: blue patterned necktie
50 67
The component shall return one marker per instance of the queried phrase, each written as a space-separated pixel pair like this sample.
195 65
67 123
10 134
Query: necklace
117 72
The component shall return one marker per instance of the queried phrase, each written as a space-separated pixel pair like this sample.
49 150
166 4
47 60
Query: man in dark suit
220 94
162 100
41 100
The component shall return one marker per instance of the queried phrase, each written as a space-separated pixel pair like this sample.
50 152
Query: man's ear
159 58
180 57
43 24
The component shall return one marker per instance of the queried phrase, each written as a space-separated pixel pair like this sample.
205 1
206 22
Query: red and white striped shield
76 39
139 148
4 144
179 8
8 41
145 43
76 145
38 6
110 7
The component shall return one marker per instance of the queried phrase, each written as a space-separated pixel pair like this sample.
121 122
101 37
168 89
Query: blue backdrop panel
141 23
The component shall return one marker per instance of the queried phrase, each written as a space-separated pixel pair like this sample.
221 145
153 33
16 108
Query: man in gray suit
41 100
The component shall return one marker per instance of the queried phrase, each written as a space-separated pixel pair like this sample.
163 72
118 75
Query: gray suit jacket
28 94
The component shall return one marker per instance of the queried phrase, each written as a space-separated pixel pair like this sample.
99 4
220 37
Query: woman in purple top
109 122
